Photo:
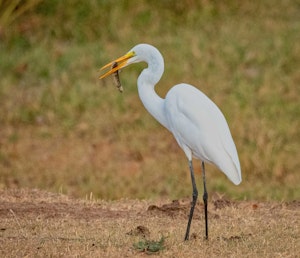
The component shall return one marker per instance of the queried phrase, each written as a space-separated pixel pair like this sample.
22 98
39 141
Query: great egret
197 124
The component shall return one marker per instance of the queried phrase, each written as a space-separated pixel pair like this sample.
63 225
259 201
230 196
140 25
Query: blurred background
63 130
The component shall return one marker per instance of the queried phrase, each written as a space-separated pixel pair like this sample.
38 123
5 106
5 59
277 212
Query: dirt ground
35 223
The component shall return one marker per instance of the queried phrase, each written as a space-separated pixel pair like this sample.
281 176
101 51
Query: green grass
61 128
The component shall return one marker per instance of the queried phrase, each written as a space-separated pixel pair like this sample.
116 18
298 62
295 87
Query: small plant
150 246
12 9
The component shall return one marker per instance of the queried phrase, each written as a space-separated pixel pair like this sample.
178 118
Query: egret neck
146 88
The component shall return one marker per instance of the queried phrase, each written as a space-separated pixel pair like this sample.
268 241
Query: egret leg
205 197
195 196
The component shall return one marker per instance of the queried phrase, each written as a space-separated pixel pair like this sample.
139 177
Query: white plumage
196 122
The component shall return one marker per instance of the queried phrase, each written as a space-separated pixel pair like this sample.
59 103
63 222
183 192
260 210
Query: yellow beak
121 62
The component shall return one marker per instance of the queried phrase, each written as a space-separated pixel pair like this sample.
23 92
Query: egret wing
199 125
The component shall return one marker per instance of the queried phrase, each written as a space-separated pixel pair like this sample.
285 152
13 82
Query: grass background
62 129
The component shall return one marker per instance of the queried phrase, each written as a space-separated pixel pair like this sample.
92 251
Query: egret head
139 53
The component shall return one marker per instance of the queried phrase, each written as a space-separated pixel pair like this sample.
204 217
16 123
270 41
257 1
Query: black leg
205 197
195 196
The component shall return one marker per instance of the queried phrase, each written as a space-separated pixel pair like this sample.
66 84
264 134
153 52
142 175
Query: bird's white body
186 109
196 122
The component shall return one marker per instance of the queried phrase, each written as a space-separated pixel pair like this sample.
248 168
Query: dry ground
35 223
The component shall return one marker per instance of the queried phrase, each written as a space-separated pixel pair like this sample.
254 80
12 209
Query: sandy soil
39 223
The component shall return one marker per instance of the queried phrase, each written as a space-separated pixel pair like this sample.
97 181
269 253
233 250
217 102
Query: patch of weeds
150 246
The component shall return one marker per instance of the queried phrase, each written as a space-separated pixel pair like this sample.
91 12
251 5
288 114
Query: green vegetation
150 246
10 10
62 129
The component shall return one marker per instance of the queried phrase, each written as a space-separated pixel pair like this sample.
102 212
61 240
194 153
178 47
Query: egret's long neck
146 83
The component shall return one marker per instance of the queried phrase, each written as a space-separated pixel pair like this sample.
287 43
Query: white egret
197 124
